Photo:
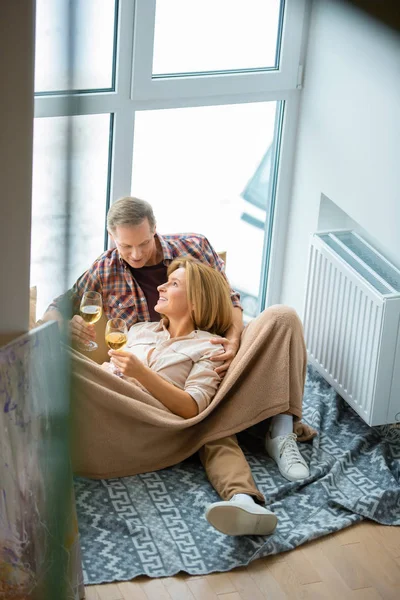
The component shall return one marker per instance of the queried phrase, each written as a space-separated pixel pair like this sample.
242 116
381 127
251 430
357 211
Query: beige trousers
223 459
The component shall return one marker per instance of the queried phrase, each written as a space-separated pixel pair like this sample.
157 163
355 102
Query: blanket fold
120 430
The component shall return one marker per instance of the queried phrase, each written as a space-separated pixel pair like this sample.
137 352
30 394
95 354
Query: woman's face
173 301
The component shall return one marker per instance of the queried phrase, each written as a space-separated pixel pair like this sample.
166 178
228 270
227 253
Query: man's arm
51 315
209 256
234 332
231 342
65 308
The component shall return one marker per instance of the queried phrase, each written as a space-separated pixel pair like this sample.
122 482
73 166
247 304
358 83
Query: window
212 36
68 53
193 165
196 114
69 198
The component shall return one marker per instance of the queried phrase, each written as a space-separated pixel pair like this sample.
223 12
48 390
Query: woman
171 360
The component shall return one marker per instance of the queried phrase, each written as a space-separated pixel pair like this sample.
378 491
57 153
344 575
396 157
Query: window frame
147 87
136 90
73 92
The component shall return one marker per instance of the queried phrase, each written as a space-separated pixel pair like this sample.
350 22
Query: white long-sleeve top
183 361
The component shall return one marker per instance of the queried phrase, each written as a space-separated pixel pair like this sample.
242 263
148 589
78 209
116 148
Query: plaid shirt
122 297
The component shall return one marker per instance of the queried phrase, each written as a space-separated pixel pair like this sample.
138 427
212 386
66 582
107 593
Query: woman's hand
176 400
126 362
231 348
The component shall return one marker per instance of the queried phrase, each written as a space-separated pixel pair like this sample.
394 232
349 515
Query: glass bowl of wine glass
90 310
116 337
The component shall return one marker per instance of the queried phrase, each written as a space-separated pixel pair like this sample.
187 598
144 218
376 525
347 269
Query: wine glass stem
116 371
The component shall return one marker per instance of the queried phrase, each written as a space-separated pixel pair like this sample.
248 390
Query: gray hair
130 211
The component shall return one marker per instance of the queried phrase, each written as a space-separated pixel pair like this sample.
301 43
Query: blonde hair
208 291
130 211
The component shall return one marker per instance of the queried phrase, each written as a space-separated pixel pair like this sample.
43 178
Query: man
127 277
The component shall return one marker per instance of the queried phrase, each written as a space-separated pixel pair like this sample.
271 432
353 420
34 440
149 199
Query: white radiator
352 323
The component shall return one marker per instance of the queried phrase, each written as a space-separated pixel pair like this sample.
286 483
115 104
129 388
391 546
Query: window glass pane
207 170
70 175
74 44
215 35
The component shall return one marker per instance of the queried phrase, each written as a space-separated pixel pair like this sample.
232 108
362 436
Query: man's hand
126 362
231 348
81 331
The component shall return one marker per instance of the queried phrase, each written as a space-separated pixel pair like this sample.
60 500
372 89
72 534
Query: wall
347 158
16 126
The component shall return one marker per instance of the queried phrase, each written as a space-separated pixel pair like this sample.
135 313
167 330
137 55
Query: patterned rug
154 524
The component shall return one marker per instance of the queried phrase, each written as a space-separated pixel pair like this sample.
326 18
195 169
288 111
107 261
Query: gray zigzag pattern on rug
153 524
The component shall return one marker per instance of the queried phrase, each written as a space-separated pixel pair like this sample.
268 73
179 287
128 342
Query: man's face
136 244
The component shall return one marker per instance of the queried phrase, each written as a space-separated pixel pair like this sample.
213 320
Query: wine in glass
90 309
116 337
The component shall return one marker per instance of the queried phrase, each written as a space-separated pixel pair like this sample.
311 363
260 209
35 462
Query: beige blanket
120 430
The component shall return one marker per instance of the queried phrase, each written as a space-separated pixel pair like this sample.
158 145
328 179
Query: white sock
281 425
243 498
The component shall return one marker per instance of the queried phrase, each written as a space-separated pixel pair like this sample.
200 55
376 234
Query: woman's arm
176 400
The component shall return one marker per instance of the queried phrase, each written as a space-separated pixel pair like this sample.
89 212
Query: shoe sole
234 520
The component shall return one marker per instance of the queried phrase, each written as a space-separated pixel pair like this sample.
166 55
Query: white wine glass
90 310
116 338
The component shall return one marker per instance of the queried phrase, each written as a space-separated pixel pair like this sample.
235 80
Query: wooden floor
361 562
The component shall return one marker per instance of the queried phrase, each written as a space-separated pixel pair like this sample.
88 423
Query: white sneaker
283 449
241 517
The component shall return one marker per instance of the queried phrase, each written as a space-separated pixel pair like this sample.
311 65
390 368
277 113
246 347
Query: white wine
90 313
115 340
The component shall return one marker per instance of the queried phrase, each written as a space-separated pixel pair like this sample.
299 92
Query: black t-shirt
149 278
